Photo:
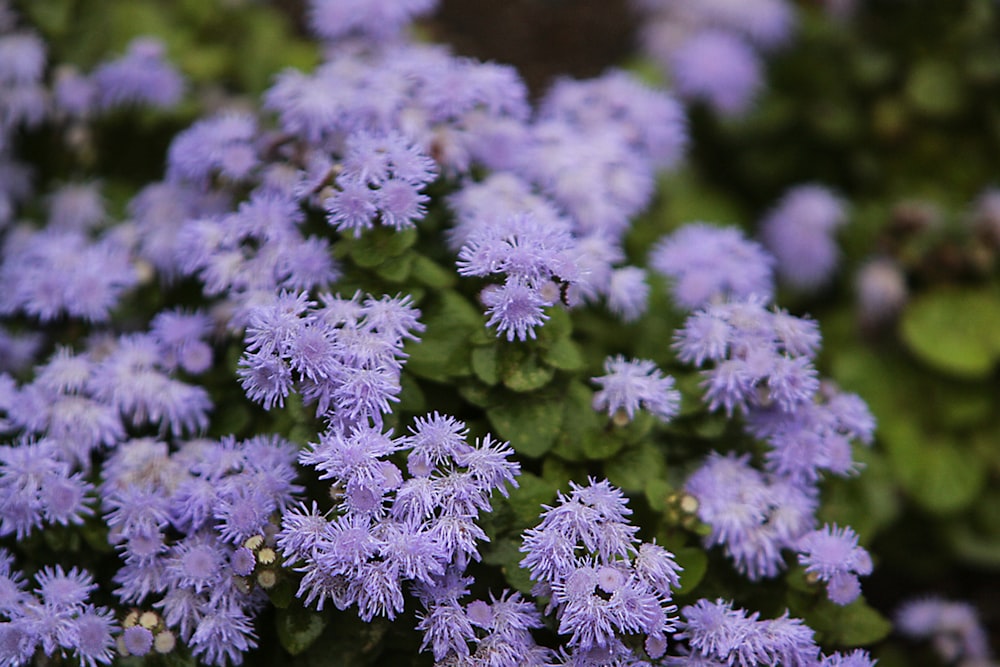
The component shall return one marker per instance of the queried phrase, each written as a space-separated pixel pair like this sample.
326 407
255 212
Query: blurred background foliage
897 108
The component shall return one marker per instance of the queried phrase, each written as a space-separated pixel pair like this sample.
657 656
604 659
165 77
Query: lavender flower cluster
261 212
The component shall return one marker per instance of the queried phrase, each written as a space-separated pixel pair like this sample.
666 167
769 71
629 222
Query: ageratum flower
629 385
799 232
832 555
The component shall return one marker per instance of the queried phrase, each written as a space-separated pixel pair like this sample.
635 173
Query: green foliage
955 331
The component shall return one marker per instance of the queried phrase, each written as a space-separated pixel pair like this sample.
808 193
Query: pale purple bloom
600 183
376 20
753 517
221 145
22 58
953 627
142 76
881 290
630 385
832 555
628 293
73 94
92 634
77 206
719 68
51 273
137 640
717 631
762 357
706 263
652 121
856 658
515 309
799 232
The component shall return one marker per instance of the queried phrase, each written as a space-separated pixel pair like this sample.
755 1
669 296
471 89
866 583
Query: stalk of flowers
204 526
387 528
603 584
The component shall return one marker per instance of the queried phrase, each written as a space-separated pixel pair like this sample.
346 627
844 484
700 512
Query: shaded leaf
298 628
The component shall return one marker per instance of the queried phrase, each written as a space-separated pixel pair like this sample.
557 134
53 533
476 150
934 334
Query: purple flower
752 517
628 293
652 120
141 77
832 554
762 357
137 640
514 308
221 144
77 206
22 58
799 232
954 628
600 183
881 290
376 20
719 68
92 636
51 273
716 630
856 658
629 385
708 263
64 591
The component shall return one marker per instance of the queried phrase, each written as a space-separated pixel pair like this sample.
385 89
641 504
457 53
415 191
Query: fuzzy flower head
376 20
761 357
628 385
706 263
832 555
143 76
718 68
799 232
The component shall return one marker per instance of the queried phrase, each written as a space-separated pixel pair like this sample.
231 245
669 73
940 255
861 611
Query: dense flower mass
400 346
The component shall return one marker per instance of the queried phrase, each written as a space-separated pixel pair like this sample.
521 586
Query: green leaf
583 435
520 369
852 625
529 423
564 355
635 467
940 475
282 594
485 364
695 564
444 351
527 499
396 271
956 331
379 245
298 628
934 88
557 328
529 376
506 554
429 273
657 492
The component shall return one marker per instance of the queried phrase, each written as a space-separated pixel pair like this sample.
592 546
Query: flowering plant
393 362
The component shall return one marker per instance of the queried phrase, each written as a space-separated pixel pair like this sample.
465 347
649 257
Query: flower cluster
387 529
628 385
711 50
346 355
602 582
189 526
707 263
954 629
721 635
55 617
